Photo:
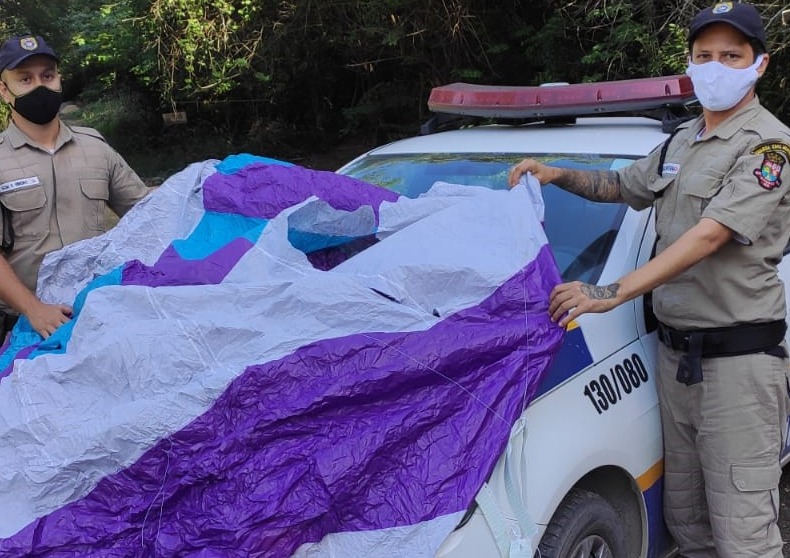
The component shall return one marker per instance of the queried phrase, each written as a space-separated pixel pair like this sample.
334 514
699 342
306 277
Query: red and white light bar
492 101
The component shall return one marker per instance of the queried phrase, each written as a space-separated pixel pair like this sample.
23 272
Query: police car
582 475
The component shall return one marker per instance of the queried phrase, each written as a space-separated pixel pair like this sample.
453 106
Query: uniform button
652 178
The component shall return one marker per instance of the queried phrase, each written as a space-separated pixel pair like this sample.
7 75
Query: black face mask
40 106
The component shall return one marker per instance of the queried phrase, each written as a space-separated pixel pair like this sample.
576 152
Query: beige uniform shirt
737 176
55 199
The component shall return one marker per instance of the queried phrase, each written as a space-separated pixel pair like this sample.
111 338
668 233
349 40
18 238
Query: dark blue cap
18 49
744 17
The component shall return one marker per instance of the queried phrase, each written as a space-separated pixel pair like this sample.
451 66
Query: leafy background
296 78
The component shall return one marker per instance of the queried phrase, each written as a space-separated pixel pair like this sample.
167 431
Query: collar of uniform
735 122
692 124
17 138
688 129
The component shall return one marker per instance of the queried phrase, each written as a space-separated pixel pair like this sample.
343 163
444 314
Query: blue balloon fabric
267 360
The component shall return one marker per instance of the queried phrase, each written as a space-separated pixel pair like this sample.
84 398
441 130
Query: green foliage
105 41
312 71
204 48
626 38
42 18
120 116
5 115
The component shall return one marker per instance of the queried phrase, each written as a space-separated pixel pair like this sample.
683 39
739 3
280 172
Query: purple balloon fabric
172 270
356 433
263 191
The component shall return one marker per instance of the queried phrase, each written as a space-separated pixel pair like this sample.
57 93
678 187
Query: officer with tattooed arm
55 182
722 222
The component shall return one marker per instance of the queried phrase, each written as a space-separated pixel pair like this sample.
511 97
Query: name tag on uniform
668 168
18 184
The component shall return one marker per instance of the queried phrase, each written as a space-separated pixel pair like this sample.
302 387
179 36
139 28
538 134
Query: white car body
568 440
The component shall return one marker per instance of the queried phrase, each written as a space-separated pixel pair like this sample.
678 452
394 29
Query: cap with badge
744 17
18 49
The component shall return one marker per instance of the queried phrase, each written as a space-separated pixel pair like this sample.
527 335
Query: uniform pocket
750 512
26 207
751 478
756 479
706 184
96 190
25 199
658 184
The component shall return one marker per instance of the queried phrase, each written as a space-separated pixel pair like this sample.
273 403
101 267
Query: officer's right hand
46 318
543 173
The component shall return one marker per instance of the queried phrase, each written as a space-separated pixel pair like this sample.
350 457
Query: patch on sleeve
775 155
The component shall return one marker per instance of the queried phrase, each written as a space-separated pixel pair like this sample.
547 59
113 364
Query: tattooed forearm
601 186
601 293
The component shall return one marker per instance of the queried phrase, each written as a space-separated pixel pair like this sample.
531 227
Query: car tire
584 526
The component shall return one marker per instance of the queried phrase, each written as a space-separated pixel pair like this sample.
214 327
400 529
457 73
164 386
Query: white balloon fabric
267 360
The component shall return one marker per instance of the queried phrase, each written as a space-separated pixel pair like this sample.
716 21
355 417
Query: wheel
584 526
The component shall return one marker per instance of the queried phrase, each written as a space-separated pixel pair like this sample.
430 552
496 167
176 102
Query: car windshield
580 232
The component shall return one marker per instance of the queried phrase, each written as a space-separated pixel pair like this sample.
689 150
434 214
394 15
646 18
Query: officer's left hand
570 300
46 318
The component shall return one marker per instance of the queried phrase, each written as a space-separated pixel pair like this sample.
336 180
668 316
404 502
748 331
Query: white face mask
719 87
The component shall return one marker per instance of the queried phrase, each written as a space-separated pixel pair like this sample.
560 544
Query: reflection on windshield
580 232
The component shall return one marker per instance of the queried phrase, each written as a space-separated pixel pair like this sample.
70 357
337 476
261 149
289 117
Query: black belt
721 342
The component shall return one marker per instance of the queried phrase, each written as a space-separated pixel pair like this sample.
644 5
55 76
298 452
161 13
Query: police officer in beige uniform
723 220
55 181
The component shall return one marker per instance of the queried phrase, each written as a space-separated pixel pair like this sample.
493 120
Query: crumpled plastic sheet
267 360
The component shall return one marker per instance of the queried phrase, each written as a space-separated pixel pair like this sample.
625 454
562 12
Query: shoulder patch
775 154
88 132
